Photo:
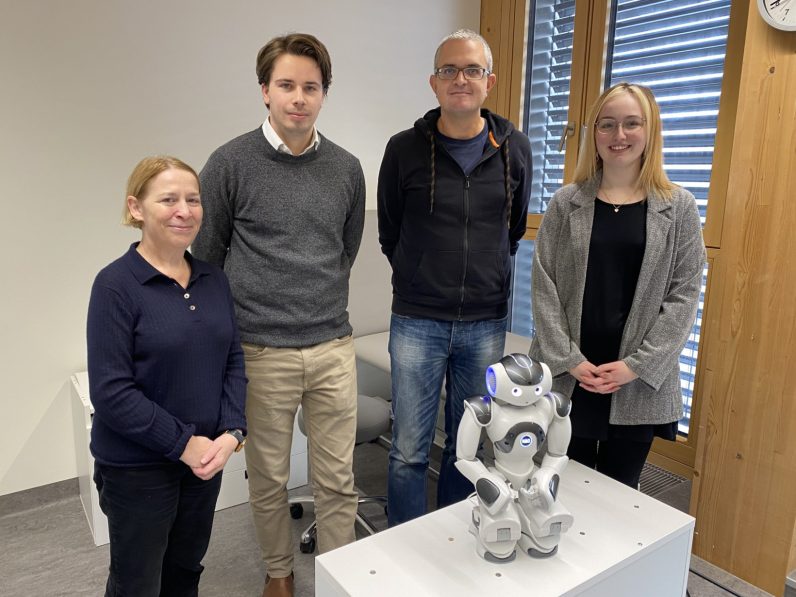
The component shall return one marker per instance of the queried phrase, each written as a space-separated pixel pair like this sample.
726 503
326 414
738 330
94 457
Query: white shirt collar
276 142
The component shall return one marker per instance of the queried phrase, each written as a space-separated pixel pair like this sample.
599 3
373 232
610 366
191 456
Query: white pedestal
621 543
82 412
234 483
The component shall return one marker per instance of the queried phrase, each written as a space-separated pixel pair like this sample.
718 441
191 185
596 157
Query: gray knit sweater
286 230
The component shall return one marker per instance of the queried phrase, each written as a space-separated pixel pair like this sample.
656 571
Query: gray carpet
48 550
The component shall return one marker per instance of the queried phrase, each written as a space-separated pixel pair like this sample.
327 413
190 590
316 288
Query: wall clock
778 13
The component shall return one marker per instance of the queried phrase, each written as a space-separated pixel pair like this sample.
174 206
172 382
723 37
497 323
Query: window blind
548 70
675 47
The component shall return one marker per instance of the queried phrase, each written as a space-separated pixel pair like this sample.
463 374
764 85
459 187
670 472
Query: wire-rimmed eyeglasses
607 126
471 73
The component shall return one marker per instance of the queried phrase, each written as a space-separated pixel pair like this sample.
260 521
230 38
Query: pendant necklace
616 206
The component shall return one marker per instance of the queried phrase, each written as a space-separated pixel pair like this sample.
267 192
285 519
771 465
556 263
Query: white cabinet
82 412
622 542
234 483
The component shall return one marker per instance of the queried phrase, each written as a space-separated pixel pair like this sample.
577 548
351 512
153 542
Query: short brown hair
143 173
297 44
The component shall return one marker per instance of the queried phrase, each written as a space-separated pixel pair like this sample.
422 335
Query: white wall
88 87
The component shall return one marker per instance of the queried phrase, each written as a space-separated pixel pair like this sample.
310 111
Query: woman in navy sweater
167 382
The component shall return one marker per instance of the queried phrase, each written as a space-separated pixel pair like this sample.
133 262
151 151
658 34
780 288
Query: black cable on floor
713 582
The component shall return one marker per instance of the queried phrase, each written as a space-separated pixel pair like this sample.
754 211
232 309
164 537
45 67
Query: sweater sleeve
212 242
557 347
390 202
233 400
355 222
658 354
114 393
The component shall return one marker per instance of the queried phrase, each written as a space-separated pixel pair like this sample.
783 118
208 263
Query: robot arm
542 488
477 414
492 490
559 433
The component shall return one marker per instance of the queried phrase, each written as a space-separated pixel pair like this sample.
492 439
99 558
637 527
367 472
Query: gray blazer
663 309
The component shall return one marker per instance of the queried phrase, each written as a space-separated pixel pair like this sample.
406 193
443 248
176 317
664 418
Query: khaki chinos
322 378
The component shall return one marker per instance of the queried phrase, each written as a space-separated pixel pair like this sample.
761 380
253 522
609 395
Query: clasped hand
207 457
602 379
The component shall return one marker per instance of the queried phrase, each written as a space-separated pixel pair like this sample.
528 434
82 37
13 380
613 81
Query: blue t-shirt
466 152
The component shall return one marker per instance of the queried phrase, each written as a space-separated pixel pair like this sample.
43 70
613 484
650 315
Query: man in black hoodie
452 199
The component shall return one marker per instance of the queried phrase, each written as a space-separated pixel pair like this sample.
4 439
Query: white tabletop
614 527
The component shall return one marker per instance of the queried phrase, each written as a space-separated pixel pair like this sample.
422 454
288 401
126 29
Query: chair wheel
307 546
296 511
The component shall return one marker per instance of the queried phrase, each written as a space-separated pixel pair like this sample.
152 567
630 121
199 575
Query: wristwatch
238 435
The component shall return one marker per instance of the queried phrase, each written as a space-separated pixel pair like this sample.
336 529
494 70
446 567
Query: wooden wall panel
744 496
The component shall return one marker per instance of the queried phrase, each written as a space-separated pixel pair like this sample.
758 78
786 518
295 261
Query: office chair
373 420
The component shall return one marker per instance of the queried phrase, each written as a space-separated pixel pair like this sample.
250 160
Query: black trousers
159 522
620 459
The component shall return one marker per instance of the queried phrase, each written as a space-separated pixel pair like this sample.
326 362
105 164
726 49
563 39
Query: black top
616 250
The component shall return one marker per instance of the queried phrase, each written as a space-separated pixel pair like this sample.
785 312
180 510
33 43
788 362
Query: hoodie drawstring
506 174
433 171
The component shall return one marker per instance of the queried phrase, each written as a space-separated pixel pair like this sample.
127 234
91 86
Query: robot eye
516 391
491 381
538 390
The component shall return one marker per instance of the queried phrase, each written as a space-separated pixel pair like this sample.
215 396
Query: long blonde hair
652 178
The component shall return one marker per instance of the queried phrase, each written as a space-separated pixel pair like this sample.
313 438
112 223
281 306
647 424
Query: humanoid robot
517 501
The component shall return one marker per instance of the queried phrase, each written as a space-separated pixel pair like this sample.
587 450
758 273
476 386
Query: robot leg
496 532
542 528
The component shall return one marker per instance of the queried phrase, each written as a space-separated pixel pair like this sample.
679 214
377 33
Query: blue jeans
159 522
423 353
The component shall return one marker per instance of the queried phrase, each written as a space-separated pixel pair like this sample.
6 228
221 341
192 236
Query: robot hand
493 493
542 489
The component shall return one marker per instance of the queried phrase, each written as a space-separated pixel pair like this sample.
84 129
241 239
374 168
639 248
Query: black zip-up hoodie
450 245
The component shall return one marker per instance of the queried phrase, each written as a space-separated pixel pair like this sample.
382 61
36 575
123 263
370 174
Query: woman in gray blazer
616 279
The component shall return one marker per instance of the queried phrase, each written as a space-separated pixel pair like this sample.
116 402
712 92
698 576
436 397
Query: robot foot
543 548
496 560
535 553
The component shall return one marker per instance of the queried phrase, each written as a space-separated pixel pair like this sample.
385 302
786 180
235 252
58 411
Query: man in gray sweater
284 210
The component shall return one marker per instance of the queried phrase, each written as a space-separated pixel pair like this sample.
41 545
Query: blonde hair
143 173
652 178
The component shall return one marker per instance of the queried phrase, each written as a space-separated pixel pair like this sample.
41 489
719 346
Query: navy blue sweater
164 362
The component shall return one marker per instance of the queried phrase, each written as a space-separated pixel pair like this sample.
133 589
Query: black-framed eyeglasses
471 73
606 126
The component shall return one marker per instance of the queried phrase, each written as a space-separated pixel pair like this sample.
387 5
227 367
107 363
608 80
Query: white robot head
518 380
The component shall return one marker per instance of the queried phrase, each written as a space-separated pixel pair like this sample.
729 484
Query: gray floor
48 550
